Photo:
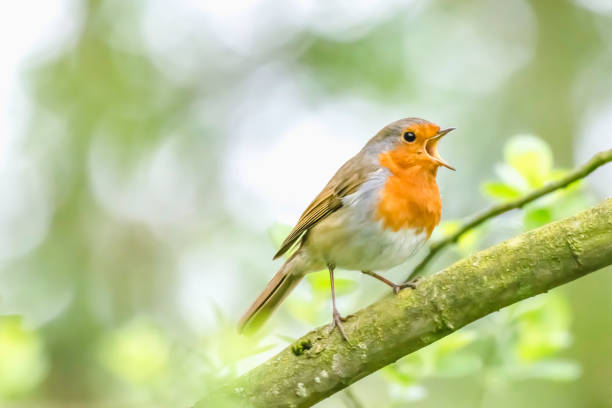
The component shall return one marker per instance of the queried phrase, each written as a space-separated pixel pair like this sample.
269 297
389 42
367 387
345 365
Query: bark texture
319 365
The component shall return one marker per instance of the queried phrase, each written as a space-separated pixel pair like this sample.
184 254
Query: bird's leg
395 286
337 318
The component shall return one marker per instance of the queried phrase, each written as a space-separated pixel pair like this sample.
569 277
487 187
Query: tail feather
274 293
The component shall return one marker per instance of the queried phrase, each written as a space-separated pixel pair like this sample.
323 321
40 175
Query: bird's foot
337 323
396 288
412 284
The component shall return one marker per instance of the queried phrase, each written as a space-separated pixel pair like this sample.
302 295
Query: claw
412 284
396 288
337 322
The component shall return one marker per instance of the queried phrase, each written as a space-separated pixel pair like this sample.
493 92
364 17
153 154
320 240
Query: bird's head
410 142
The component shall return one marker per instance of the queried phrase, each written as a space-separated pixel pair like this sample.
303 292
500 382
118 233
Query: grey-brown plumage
340 227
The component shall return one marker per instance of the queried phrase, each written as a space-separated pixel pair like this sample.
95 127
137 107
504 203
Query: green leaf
558 174
137 352
415 366
394 375
344 286
542 327
320 284
552 370
551 310
23 362
458 364
455 341
500 191
510 176
449 357
467 242
448 228
531 157
537 217
304 310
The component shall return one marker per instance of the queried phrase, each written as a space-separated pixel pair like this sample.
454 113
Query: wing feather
345 182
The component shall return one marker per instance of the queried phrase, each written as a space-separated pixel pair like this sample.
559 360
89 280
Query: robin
374 214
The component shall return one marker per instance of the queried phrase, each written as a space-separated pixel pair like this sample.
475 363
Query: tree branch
319 365
596 161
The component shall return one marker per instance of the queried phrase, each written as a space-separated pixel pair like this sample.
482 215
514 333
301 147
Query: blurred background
153 154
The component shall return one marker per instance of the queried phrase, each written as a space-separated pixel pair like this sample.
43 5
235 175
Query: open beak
431 147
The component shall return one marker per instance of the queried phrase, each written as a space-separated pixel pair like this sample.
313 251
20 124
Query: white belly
352 239
370 247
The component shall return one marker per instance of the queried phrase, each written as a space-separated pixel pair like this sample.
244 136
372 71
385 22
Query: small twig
597 161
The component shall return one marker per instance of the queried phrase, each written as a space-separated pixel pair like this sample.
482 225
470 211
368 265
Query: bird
375 213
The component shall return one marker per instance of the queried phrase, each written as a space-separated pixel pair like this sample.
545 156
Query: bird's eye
409 137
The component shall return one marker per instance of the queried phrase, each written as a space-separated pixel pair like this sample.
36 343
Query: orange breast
410 198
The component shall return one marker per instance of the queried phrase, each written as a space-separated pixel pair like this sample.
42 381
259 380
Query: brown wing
346 181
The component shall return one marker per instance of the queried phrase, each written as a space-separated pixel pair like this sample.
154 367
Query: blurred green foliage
128 138
529 165
136 353
23 360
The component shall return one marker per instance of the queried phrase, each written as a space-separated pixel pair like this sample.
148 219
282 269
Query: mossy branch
524 266
596 161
